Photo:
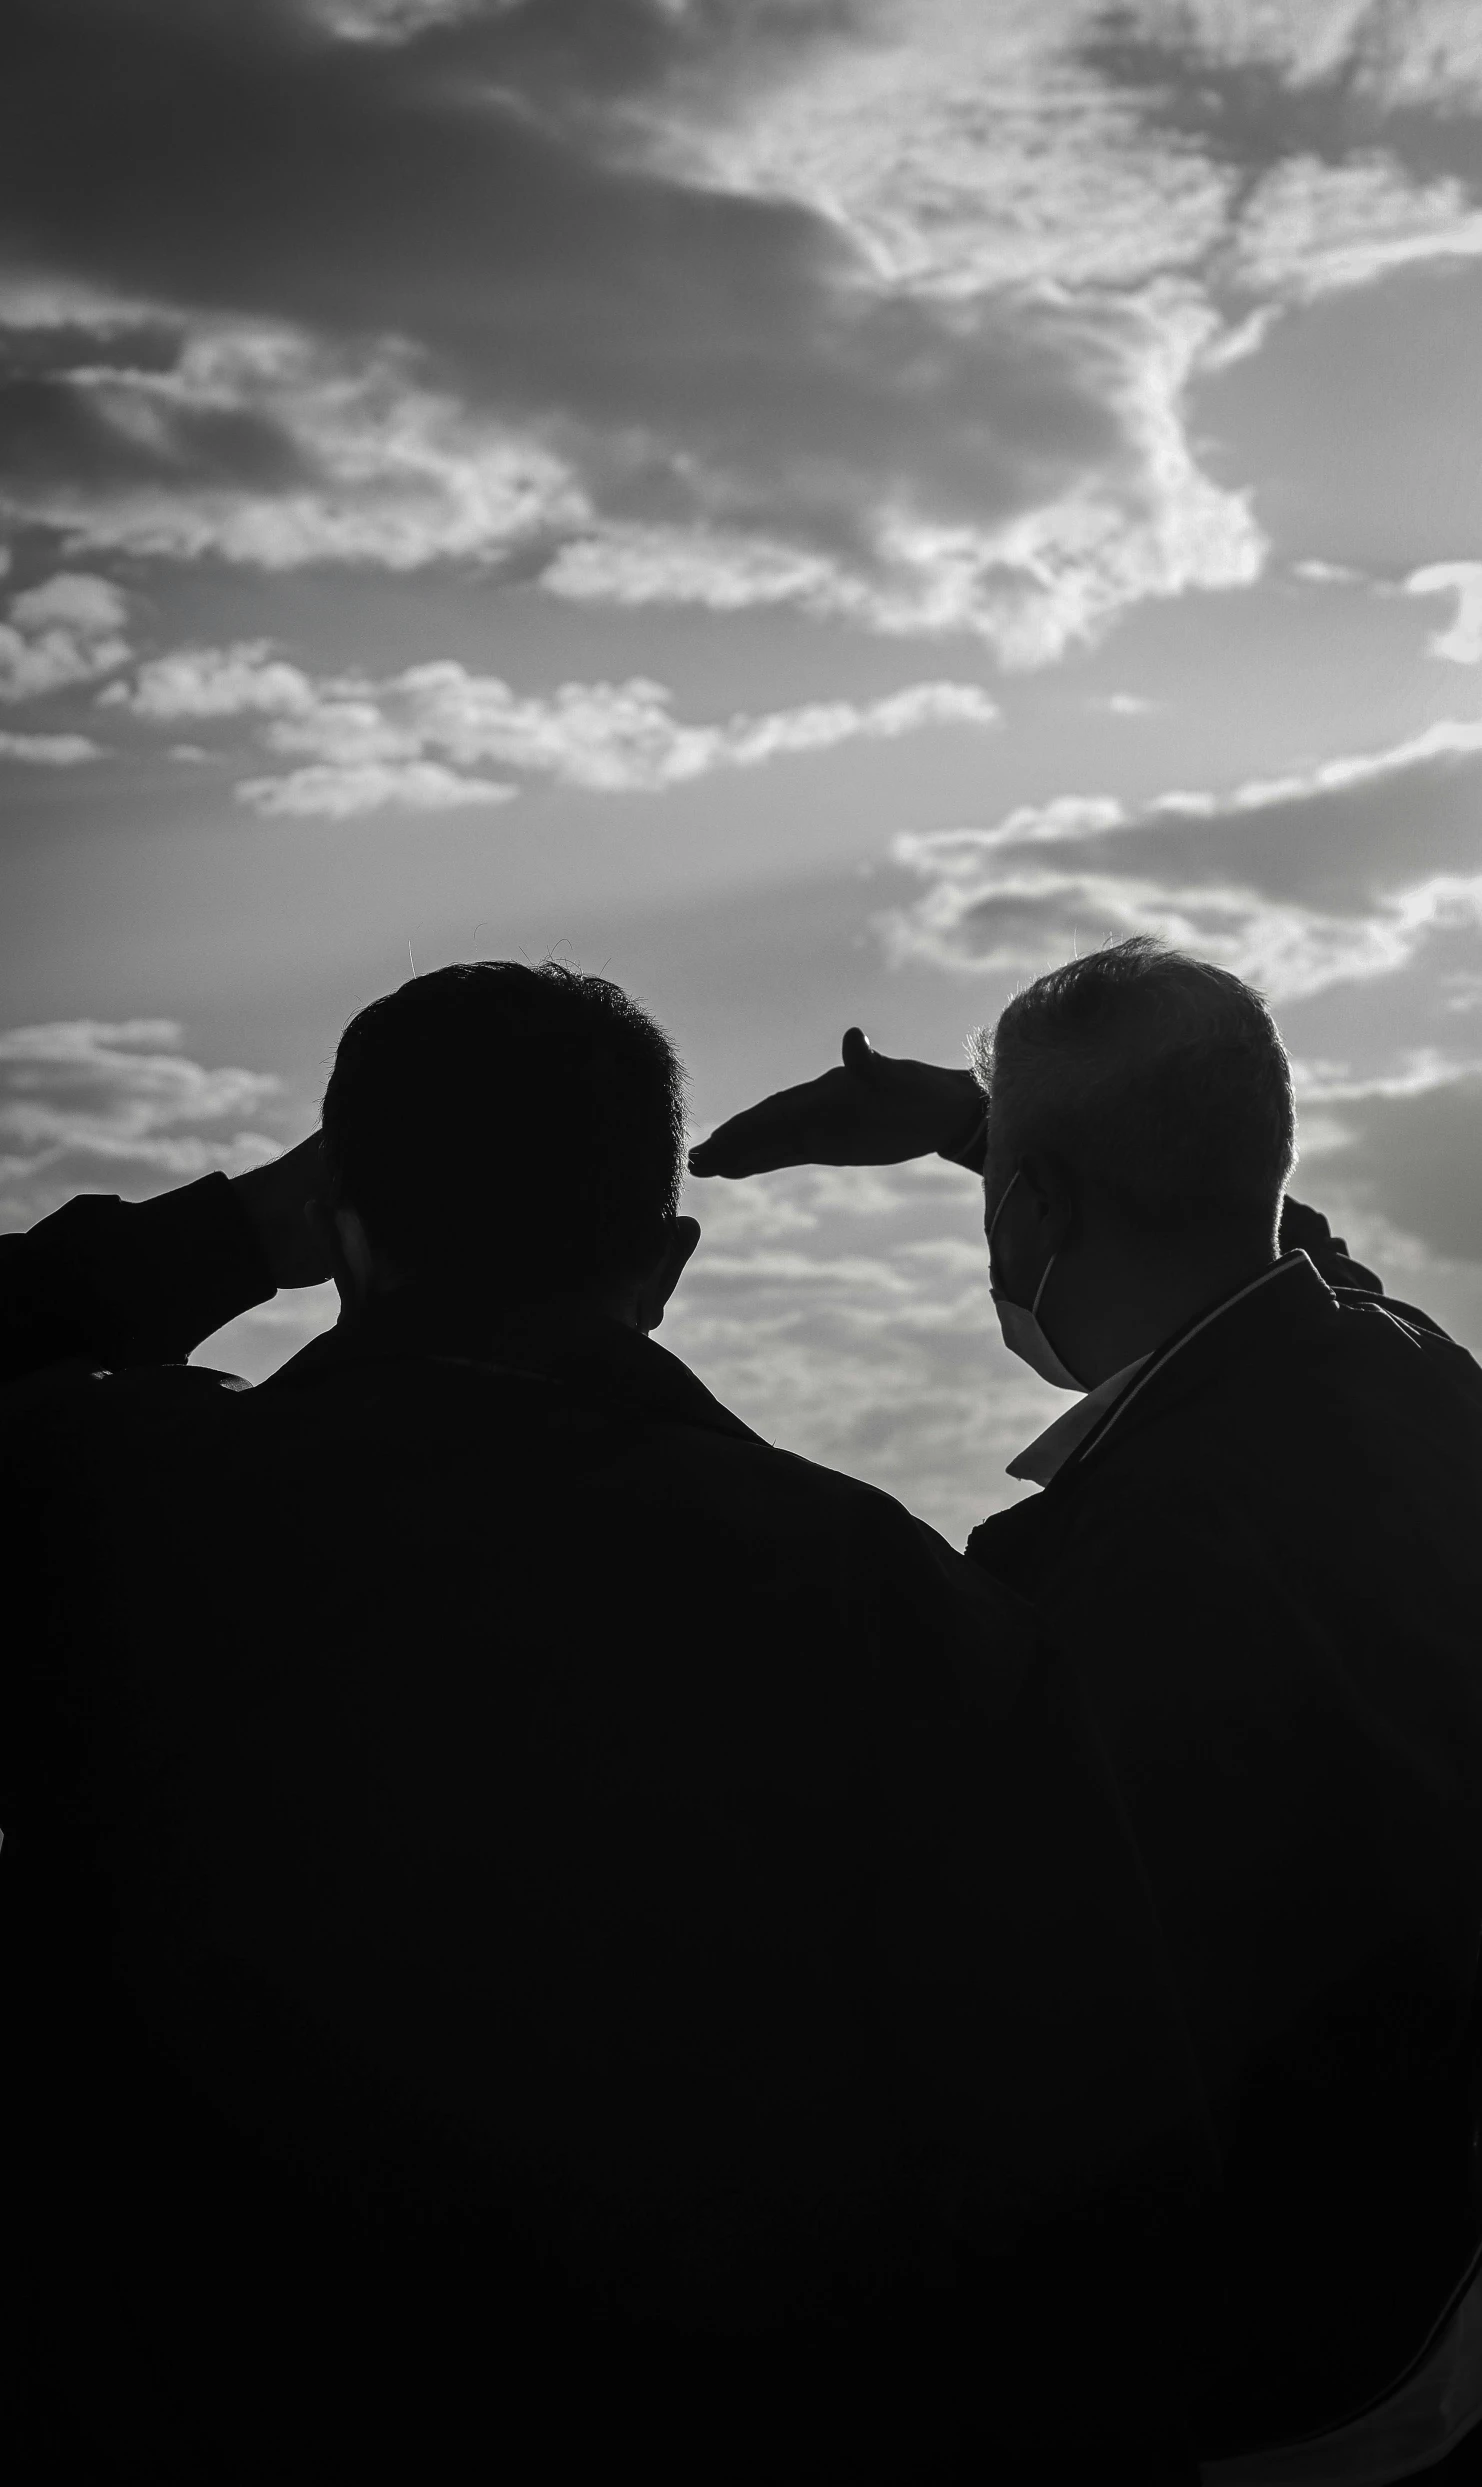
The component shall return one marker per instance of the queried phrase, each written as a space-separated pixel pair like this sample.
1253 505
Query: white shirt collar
1049 1451
1041 1459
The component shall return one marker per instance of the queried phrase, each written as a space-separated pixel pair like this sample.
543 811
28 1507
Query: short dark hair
1158 1076
501 1123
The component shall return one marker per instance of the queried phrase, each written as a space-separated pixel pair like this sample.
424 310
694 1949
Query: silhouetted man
550 1936
1261 1529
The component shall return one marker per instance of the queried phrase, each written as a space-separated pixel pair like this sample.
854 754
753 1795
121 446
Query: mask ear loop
1050 1263
998 1213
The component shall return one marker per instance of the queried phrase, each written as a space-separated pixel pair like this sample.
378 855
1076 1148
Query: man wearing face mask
1260 1530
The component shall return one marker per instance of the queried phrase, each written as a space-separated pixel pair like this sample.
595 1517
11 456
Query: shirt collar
1049 1451
1043 1458
588 1353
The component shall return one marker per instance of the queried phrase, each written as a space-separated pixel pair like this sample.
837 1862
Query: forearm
126 1283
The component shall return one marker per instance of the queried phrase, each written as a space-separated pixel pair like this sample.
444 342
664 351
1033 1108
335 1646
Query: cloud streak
1297 883
52 751
93 1105
413 739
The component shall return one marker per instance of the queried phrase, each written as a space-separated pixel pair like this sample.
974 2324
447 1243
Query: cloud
1404 1151
844 1313
389 21
65 631
215 682
55 751
342 792
1250 85
409 739
1312 228
888 313
90 1105
135 429
1297 883
1462 639
525 298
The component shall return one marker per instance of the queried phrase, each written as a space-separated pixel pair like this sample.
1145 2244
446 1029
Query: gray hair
1158 1077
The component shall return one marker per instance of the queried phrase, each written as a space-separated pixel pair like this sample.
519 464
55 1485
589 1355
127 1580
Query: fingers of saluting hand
817 1123
755 1142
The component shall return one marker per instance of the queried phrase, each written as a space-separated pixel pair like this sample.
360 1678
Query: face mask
1019 1323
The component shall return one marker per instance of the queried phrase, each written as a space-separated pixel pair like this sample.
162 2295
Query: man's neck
1148 1301
477 1316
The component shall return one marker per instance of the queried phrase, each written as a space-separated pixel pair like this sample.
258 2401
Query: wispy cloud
412 739
1405 1151
344 789
891 314
1297 882
845 1314
52 751
91 1105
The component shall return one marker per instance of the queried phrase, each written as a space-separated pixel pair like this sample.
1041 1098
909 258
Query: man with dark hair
547 1935
454 1176
1261 1527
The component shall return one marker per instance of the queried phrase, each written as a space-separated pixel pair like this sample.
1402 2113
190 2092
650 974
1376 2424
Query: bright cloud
52 751
1296 883
89 1105
1461 640
405 740
1314 228
891 314
65 631
844 1313
1407 1150
344 790
215 682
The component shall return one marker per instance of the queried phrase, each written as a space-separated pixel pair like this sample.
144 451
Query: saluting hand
873 1110
278 1201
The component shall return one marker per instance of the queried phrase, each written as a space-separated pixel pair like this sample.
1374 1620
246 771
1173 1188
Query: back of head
507 1126
1156 1077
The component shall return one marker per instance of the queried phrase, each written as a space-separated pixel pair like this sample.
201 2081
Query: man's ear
664 1277
1054 1197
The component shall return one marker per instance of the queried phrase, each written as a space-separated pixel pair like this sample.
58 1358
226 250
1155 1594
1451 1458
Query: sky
816 509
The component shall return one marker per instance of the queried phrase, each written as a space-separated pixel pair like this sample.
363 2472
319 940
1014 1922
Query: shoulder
78 1395
1388 1361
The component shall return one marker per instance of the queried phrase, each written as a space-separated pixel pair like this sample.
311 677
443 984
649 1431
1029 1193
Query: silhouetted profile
1260 1531
546 1936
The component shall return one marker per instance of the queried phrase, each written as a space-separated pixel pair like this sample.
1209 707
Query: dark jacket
554 1936
1269 1556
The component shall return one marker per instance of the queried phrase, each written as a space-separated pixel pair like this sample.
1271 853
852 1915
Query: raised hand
277 1200
873 1110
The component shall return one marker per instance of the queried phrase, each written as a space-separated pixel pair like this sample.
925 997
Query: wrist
252 1212
964 1128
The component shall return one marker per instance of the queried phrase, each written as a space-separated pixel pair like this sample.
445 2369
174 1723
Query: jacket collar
1284 1303
585 1352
